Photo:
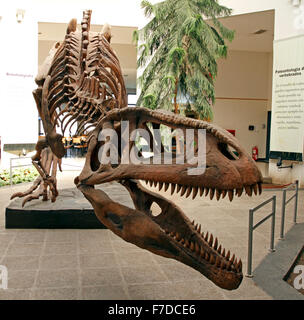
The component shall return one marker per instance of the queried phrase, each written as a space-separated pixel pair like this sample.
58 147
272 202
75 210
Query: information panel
287 123
18 68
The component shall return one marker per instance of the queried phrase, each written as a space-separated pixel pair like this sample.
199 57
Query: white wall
242 91
285 27
284 14
18 68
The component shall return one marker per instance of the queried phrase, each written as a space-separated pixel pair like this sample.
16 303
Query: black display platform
70 211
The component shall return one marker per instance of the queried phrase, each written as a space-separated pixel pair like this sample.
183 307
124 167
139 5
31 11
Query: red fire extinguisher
255 153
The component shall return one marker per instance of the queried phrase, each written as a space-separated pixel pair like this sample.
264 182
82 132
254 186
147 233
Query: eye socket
228 151
115 219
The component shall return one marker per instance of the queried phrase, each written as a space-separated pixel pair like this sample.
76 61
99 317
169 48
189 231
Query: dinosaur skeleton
81 81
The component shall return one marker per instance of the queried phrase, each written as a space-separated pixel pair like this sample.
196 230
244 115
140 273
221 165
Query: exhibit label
287 123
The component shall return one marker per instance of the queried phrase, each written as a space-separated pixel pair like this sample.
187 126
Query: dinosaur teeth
206 256
248 190
195 227
166 186
255 189
178 188
229 265
211 193
219 250
260 187
189 190
160 185
224 192
239 266
206 192
218 261
172 188
212 259
155 184
215 244
223 265
150 183
197 248
184 189
192 222
201 191
206 237
230 195
232 259
192 246
224 253
228 255
194 194
199 229
239 192
211 240
218 194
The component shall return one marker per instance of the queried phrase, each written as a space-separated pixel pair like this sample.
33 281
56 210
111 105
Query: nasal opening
228 151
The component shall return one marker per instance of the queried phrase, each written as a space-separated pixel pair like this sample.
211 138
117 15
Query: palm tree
178 50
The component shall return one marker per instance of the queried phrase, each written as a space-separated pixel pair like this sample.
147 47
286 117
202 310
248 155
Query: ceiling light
296 3
20 15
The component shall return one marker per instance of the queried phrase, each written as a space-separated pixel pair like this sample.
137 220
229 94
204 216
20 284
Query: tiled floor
96 264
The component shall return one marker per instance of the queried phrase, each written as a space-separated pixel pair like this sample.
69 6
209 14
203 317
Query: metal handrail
17 166
284 203
253 227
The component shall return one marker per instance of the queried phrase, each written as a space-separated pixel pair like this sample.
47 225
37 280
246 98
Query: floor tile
104 293
58 261
21 279
101 276
27 249
143 274
57 278
104 260
15 294
60 248
55 294
156 291
21 262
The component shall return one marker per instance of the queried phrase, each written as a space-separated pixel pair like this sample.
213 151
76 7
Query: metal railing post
252 227
285 202
296 202
250 238
273 224
11 173
17 166
283 215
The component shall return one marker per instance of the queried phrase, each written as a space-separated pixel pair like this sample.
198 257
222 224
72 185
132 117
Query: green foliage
181 44
19 175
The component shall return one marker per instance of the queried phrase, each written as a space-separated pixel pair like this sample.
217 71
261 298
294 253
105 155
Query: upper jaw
231 181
